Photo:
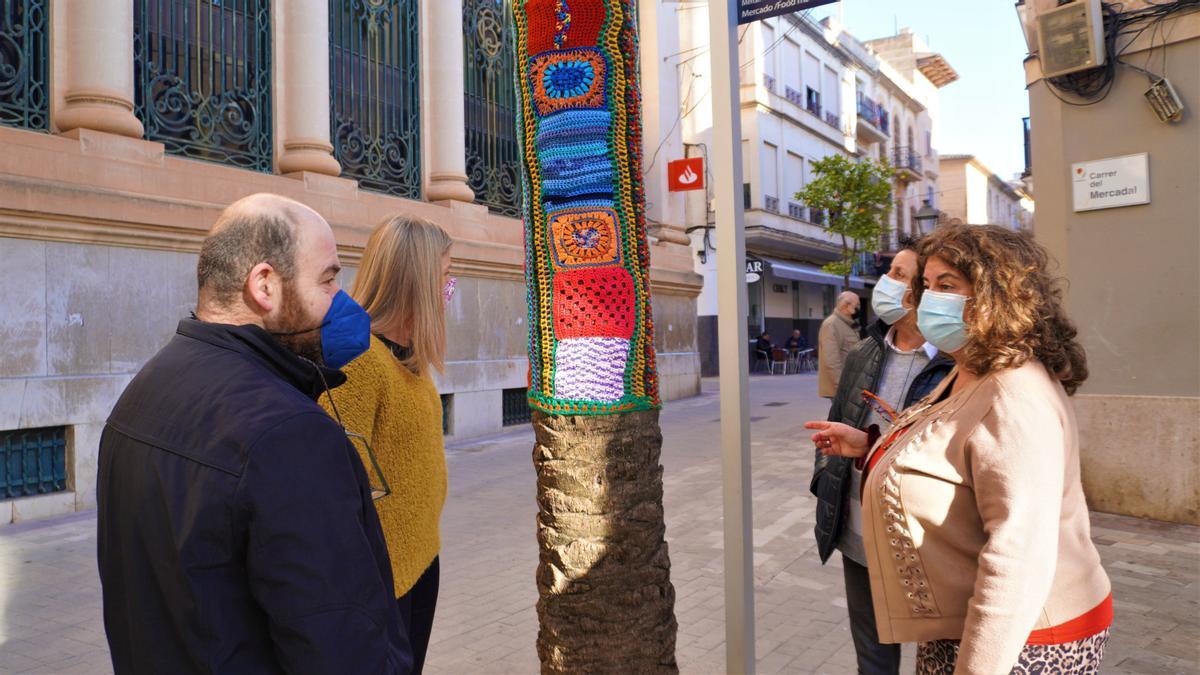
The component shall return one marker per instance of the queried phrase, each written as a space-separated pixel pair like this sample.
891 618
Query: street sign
685 174
756 10
1112 182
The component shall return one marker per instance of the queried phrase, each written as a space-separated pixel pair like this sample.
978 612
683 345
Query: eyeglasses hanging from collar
377 484
375 480
880 406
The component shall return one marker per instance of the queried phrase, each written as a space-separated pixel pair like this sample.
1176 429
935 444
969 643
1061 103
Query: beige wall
1134 283
99 235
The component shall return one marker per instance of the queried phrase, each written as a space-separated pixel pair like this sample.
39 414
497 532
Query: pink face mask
448 291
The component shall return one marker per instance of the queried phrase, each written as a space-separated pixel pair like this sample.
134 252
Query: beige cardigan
975 523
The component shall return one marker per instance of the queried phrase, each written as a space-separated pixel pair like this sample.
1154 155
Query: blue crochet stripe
566 120
598 199
577 187
590 150
580 203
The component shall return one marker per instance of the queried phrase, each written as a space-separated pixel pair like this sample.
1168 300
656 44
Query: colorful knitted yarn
587 260
580 28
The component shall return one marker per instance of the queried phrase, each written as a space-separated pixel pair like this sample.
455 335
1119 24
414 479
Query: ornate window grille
375 84
24 96
492 152
202 70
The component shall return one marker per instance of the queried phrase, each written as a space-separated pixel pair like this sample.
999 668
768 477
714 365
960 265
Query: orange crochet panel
594 302
585 237
570 23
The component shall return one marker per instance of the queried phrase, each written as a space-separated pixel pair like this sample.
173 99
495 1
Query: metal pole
731 327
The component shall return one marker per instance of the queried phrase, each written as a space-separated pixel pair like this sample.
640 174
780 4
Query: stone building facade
135 123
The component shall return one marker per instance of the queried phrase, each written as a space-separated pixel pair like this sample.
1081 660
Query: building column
445 123
99 69
304 29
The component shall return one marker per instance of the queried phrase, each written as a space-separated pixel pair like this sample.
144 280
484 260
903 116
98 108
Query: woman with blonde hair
975 525
390 403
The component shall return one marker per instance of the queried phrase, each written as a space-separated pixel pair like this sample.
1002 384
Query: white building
808 90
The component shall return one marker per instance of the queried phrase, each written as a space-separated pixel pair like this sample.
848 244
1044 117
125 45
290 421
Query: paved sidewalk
50 603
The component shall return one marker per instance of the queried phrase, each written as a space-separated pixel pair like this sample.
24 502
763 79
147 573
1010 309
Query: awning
810 273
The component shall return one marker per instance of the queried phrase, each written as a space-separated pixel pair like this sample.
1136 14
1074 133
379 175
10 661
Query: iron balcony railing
832 119
769 83
24 76
771 203
797 211
375 85
906 158
202 74
794 96
493 155
873 114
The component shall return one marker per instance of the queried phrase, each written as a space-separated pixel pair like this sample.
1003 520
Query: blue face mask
345 332
888 299
940 320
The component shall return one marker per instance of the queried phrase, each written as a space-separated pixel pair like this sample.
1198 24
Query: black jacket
236 529
831 475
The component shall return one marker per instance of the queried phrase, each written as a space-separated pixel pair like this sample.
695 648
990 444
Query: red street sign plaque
685 174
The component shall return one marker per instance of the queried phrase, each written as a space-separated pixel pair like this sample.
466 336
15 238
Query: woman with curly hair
975 525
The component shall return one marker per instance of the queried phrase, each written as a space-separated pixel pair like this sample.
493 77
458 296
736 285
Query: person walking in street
974 520
390 398
889 370
236 532
836 338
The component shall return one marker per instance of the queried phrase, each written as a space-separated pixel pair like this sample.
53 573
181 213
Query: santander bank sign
685 174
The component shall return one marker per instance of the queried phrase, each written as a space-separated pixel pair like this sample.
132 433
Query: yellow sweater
400 414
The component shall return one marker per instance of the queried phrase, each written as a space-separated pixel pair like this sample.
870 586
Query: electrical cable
1121 30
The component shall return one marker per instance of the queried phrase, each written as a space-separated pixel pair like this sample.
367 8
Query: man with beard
236 529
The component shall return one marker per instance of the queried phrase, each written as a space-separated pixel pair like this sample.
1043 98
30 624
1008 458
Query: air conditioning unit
1071 38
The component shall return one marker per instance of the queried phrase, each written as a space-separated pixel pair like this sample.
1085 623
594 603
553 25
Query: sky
981 111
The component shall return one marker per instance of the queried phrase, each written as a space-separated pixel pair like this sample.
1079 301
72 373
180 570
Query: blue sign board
754 10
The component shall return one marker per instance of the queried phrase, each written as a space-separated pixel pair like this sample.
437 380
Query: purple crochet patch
590 369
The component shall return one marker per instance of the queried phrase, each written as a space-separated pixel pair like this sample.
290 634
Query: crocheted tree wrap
587 262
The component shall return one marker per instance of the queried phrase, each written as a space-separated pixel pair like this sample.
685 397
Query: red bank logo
685 174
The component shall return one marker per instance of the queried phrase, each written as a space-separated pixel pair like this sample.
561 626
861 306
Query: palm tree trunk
606 604
606 601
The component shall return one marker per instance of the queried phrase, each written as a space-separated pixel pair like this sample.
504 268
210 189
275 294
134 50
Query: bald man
837 337
236 529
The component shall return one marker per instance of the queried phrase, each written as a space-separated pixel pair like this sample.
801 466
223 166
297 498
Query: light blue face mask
940 320
888 299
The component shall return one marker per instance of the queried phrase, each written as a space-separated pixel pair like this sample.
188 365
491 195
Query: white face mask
940 320
888 299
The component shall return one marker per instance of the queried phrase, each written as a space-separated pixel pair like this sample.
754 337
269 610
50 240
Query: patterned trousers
1081 657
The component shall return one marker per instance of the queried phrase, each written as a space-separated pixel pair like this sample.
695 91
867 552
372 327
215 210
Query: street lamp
927 217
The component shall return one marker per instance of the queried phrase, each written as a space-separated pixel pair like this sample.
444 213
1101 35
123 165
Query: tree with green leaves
856 196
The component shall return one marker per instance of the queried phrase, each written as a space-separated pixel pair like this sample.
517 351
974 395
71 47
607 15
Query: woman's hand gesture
835 438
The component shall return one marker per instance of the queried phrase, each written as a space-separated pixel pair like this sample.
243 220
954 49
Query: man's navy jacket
236 529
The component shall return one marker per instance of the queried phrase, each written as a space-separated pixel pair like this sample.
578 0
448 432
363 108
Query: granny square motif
567 79
585 238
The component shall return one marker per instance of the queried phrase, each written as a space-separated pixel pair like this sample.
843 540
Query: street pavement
486 622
